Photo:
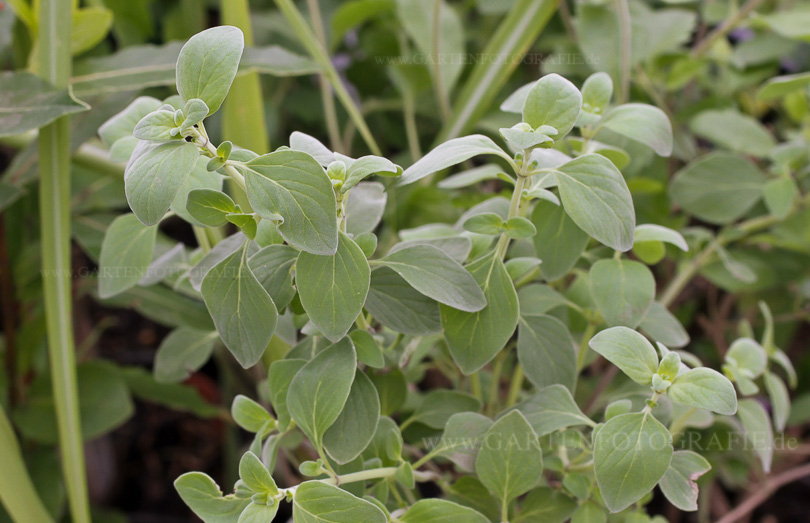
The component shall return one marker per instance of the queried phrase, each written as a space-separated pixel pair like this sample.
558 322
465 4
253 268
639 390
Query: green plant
451 296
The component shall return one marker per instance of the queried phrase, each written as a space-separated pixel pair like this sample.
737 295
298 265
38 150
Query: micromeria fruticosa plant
303 292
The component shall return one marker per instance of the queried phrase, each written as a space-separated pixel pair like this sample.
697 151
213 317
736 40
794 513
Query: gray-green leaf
631 453
294 185
207 65
317 502
353 430
553 408
28 102
628 350
182 352
596 197
474 338
679 481
553 101
546 351
643 123
558 242
333 288
433 273
244 314
450 153
205 499
510 462
441 511
154 174
319 390
623 290
126 253
706 389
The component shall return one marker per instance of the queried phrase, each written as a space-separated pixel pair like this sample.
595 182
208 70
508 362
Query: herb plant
306 259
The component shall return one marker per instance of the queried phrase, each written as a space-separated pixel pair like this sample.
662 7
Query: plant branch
764 491
328 101
723 29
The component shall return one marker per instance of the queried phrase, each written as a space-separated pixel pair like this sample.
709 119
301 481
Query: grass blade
516 33
54 208
16 490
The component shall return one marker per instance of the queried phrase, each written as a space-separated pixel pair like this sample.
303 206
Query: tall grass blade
54 208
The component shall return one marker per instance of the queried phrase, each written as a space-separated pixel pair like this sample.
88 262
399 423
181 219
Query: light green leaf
156 126
704 388
779 86
365 207
628 350
553 101
450 153
126 253
558 242
205 499
643 123
207 65
280 375
489 223
154 174
718 188
255 475
257 513
780 196
28 102
353 430
590 512
679 481
733 130
597 199
472 176
780 399
366 166
546 351
333 288
368 349
538 299
439 405
319 390
792 23
294 185
547 505
273 266
748 355
250 415
631 453
519 227
553 408
89 27
510 462
623 291
657 233
758 431
461 438
596 93
182 352
436 275
663 327
474 338
317 502
244 314
441 511
399 306
210 207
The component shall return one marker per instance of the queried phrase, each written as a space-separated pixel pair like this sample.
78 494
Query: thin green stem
327 98
321 57
54 207
438 81
514 210
495 386
583 345
625 49
515 386
475 386
17 492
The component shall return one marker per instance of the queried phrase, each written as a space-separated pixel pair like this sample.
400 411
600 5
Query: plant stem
436 70
723 29
761 494
625 49
514 210
515 386
321 57
327 99
495 386
54 208
583 345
